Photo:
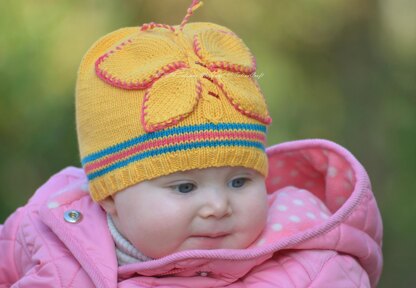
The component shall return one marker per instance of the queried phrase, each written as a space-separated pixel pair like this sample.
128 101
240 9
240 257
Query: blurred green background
341 70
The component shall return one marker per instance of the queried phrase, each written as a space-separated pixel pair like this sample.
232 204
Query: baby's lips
212 234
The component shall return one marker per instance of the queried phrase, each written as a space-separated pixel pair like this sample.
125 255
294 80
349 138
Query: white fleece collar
125 251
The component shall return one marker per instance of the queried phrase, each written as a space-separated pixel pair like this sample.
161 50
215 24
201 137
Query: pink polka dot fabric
322 172
292 210
305 187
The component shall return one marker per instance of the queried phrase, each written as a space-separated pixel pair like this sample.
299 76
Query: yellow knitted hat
159 99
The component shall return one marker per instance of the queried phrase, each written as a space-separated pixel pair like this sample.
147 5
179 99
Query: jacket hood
323 168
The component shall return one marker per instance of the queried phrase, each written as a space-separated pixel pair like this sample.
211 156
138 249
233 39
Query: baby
177 188
211 208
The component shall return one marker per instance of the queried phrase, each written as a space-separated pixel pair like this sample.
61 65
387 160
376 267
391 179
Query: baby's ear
108 205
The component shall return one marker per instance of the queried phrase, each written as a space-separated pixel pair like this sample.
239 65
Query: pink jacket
304 245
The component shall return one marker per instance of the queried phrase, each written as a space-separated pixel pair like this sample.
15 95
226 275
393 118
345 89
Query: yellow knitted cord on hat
161 99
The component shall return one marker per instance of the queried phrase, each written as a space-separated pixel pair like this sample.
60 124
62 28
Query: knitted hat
159 99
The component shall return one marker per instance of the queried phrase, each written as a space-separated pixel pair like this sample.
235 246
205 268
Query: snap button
203 274
72 216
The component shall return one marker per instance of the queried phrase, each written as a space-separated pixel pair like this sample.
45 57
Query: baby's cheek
258 213
252 216
262 217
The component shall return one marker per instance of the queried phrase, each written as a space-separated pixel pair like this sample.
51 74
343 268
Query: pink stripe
171 141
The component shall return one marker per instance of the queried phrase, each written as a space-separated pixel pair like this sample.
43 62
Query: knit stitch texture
156 100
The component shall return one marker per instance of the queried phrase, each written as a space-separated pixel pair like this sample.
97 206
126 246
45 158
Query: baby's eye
185 187
238 182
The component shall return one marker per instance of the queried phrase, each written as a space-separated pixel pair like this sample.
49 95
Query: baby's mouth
211 235
209 240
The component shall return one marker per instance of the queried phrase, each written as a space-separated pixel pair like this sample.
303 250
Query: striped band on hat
173 140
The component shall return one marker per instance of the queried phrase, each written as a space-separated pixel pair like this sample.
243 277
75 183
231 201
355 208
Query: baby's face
209 208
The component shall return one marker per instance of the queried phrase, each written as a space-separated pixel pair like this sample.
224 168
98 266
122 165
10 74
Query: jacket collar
97 252
88 238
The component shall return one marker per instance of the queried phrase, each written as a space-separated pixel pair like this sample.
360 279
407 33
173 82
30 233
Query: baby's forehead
214 171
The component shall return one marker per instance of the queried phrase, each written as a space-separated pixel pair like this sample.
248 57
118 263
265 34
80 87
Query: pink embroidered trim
197 47
139 84
231 67
194 5
152 25
265 120
152 128
198 89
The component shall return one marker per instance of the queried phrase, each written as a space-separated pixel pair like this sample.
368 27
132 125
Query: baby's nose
216 204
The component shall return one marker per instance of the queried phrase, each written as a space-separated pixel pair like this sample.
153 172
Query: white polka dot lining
332 171
281 207
294 173
292 210
294 218
277 227
280 164
311 215
261 242
276 180
298 202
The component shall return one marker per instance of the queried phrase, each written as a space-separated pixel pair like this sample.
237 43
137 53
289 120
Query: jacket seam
74 277
33 224
94 276
320 270
345 272
282 264
18 272
333 258
25 247
310 268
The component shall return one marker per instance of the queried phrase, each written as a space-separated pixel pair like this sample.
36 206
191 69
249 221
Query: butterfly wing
137 62
244 95
170 99
223 50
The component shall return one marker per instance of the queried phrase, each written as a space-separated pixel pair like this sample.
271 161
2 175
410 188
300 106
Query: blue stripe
170 149
171 132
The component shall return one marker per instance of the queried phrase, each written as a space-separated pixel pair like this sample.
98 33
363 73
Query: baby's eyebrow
242 170
176 175
231 171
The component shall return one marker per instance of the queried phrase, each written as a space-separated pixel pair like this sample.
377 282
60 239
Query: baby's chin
216 242
203 242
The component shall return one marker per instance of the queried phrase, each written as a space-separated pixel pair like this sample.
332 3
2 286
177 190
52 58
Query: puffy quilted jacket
324 230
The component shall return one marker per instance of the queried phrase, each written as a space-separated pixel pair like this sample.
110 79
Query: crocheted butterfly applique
171 69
